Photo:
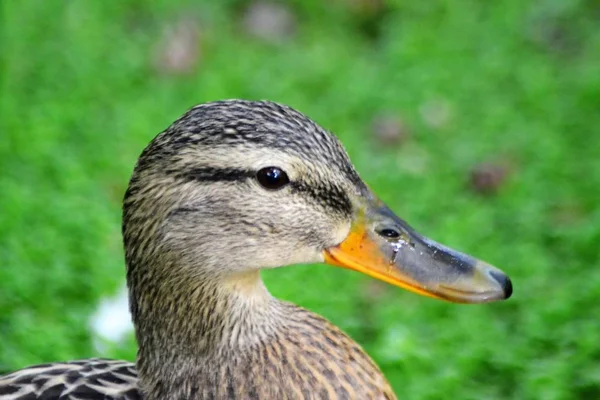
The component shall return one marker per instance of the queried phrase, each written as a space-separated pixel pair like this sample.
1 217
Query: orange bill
384 247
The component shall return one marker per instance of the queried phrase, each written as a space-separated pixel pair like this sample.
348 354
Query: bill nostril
388 233
504 281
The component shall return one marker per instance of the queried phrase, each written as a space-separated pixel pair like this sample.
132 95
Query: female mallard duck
231 188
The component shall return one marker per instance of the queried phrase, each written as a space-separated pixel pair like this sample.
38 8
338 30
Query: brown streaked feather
74 380
309 359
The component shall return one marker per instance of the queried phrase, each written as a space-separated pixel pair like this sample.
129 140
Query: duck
231 188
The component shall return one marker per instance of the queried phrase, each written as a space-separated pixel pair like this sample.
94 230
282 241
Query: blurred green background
478 122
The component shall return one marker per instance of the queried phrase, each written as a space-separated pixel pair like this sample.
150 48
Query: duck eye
272 178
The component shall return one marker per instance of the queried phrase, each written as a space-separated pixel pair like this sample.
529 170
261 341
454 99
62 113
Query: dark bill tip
504 282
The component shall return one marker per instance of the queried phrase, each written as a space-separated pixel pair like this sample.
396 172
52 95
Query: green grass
520 83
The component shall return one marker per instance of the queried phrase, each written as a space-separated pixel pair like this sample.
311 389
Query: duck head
237 186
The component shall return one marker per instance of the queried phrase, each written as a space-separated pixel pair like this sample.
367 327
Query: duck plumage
231 188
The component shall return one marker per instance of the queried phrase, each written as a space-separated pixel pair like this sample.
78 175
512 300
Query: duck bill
385 247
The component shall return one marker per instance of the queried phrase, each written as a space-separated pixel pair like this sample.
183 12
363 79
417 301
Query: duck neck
184 324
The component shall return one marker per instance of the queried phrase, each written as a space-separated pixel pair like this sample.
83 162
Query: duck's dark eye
389 233
272 178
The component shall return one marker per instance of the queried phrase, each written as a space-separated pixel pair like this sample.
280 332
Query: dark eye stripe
211 174
330 197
